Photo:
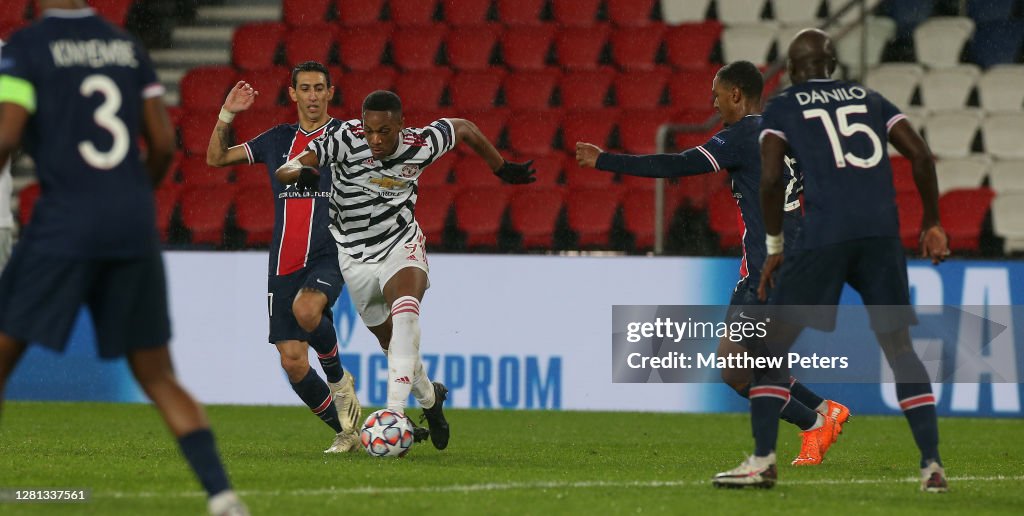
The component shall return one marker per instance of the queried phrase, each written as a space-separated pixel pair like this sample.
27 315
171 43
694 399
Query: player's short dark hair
309 66
383 100
743 75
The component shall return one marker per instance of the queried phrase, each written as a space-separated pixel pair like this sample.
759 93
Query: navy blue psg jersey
736 150
837 131
301 220
83 82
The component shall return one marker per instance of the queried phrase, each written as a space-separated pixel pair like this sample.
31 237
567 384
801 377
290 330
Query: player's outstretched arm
159 136
773 197
934 243
218 154
688 163
513 173
13 118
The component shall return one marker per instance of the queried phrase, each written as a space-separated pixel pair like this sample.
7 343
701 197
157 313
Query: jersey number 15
846 128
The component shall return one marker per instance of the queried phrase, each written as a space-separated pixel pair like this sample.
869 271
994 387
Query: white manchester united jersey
373 201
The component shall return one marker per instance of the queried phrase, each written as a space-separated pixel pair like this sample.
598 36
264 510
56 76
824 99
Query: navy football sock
317 396
801 393
798 414
324 340
766 402
918 405
200 451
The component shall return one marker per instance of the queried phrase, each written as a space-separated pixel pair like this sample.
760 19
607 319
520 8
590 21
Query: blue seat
989 10
997 42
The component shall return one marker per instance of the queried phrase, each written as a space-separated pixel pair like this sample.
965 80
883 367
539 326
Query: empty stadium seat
466 13
638 216
997 42
1003 134
689 46
416 48
114 10
361 48
422 90
948 88
433 204
797 12
675 12
591 214
439 170
252 122
273 85
695 192
897 82
490 121
195 172
356 86
532 132
690 90
165 199
254 214
1007 177
478 214
577 177
907 14
638 130
724 219
196 129
950 134
204 211
359 14
902 174
732 12
635 49
530 90
526 48
960 173
910 214
475 90
575 13
630 13
252 175
988 10
751 42
304 13
962 213
640 89
15 12
419 13
585 89
472 172
313 43
549 168
471 47
1001 88
203 88
1008 220
940 40
533 213
880 32
254 45
520 12
580 48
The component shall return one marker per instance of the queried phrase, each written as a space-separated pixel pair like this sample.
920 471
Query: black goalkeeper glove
309 180
516 173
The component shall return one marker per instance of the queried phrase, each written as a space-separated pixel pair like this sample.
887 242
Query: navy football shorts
41 295
321 273
811 281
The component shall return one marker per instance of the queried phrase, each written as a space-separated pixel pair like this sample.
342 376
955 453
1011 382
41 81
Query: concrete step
202 36
171 75
237 14
189 57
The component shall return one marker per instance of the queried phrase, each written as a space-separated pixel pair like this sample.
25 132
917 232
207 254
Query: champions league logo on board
345 318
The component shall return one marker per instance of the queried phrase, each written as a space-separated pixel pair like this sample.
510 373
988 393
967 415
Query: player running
77 93
737 98
303 279
835 130
376 162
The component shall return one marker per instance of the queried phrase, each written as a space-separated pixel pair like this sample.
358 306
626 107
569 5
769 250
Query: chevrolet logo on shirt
388 183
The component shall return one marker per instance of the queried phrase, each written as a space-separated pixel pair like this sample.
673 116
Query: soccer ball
386 434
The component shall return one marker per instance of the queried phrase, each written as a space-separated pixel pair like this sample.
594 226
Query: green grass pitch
499 463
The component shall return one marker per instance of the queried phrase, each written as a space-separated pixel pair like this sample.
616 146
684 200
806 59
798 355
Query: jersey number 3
105 117
846 128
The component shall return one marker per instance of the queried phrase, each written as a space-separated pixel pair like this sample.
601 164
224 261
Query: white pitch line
512 486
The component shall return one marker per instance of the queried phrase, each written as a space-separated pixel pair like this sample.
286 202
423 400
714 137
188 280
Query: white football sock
422 389
404 351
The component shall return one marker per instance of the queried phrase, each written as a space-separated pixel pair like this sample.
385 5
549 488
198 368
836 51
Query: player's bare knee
295 367
308 308
737 379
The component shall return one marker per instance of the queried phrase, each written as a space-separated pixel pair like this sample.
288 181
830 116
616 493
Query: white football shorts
366 280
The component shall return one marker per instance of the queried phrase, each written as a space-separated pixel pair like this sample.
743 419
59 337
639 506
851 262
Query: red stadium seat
491 122
462 13
911 211
640 89
587 126
475 90
27 198
203 88
254 45
902 174
530 90
116 11
254 214
575 13
532 132
724 219
630 13
314 43
963 213
549 169
478 214
15 12
585 89
580 48
204 211
419 13
9 28
533 213
691 89
196 128
591 214
304 13
689 45
422 90
423 117
417 48
195 172
166 198
634 49
471 48
361 48
433 204
472 172
638 215
252 175
354 88
527 48
638 130
273 86
359 14
697 191
520 12
577 177
636 183
439 170
250 124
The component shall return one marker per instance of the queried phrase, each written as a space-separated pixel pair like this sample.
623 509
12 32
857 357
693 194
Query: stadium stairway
207 41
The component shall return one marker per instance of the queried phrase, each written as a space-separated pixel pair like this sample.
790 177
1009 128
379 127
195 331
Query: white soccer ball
386 434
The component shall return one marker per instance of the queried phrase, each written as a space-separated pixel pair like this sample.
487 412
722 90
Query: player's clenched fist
240 97
587 153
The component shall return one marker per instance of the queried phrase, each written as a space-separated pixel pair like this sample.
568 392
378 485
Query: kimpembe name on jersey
93 53
824 96
681 360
